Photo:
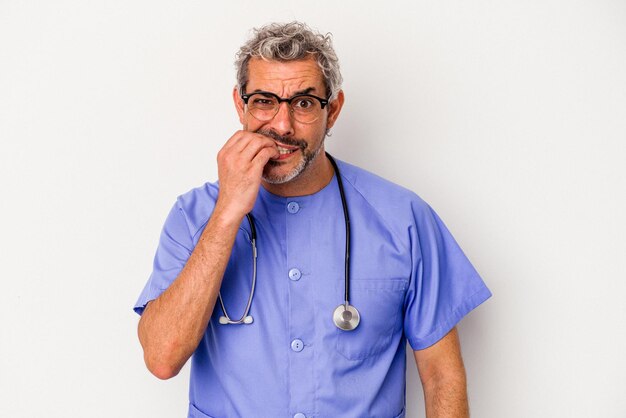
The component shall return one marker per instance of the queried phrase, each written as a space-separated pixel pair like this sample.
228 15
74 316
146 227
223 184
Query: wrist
225 215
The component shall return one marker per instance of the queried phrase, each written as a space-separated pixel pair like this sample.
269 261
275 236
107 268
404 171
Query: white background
508 117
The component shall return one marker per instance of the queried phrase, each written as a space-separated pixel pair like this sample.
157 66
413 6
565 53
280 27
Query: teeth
283 151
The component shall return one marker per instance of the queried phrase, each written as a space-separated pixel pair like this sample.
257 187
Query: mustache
293 142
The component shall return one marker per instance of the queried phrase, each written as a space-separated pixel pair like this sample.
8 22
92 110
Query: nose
282 122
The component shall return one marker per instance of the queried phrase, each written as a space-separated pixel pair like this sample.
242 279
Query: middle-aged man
305 344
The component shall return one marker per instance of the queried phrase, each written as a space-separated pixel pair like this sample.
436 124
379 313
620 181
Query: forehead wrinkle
287 86
296 93
283 79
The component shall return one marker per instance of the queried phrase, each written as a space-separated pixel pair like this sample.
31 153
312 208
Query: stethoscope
346 317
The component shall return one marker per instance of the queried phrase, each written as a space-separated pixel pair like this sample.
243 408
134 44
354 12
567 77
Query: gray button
294 274
293 207
299 415
297 345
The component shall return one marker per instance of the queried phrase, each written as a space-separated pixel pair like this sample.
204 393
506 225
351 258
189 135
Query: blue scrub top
409 281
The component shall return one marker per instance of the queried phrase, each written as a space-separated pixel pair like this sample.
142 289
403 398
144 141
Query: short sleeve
175 247
444 286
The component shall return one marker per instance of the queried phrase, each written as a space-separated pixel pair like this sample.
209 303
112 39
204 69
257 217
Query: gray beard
307 159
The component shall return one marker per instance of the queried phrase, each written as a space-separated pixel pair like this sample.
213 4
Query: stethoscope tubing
345 316
245 318
346 218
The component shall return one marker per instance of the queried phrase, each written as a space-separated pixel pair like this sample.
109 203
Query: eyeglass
264 105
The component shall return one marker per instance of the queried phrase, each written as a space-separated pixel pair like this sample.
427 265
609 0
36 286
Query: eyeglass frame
245 97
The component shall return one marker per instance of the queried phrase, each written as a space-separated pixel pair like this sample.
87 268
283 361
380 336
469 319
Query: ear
334 108
239 104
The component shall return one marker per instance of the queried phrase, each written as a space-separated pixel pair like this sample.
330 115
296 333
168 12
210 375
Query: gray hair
290 42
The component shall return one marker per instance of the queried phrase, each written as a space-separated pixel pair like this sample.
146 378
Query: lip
289 147
285 156
292 150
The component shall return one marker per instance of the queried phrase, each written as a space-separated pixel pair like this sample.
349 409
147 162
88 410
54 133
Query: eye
262 102
303 103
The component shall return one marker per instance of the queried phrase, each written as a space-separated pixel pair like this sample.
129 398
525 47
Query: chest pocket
379 302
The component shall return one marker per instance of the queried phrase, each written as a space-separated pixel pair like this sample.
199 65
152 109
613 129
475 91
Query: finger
264 155
235 139
235 146
254 147
244 146
240 144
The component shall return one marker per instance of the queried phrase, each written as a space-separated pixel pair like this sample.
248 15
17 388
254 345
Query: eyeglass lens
304 108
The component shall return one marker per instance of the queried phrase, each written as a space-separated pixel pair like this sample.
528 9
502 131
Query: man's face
299 143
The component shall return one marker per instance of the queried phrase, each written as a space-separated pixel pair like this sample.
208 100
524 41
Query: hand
240 165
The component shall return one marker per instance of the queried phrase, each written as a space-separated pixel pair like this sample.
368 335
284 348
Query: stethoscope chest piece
346 317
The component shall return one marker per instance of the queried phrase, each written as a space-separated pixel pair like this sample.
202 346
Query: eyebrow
305 91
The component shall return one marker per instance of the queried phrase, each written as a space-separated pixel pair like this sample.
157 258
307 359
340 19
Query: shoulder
386 197
197 205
